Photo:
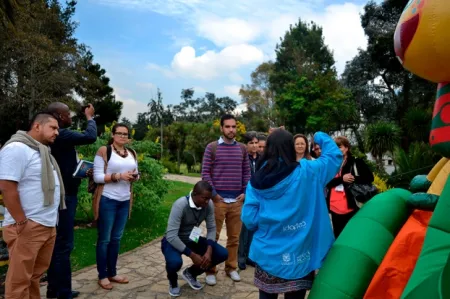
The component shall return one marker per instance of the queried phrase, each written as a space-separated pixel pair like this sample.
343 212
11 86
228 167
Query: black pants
340 221
245 240
292 295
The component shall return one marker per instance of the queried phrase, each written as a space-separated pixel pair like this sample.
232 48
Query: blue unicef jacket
292 228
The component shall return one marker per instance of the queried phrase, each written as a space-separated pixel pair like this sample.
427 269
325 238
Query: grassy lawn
141 229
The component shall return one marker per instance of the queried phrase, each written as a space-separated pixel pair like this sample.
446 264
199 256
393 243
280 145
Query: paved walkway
182 178
144 267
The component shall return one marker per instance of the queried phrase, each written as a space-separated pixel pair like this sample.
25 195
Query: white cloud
235 77
146 85
131 107
342 31
256 23
211 64
164 70
240 108
199 89
232 90
229 31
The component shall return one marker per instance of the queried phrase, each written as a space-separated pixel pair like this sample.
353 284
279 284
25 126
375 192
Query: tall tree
259 98
305 83
36 61
379 84
42 62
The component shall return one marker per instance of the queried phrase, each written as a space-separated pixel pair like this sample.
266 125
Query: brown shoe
121 280
107 286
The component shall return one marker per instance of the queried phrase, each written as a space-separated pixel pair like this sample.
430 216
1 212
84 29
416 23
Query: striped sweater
229 173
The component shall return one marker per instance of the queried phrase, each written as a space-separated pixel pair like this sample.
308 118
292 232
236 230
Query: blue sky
208 45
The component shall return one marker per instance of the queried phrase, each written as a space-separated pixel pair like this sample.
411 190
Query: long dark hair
307 154
279 151
114 129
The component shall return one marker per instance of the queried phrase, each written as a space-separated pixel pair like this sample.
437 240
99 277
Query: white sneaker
211 280
234 276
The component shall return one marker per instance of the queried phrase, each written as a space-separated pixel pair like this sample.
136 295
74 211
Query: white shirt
22 164
121 190
192 203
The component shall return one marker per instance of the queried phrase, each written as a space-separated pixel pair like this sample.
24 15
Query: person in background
340 200
261 143
316 150
226 168
32 188
63 149
245 239
183 237
113 202
301 147
286 209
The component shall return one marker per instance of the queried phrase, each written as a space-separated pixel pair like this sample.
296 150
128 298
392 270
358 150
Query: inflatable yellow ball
422 39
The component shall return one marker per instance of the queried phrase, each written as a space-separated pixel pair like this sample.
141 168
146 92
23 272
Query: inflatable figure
398 244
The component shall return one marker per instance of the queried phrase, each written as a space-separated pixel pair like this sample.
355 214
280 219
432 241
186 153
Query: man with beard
226 168
32 189
59 273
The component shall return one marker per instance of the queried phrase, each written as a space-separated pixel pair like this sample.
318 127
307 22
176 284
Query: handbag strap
355 169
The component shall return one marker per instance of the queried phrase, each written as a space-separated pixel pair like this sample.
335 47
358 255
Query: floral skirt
275 285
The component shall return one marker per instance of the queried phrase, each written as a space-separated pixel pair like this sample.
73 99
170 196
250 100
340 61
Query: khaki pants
231 214
30 252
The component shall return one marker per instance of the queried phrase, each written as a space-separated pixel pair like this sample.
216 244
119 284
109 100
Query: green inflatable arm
431 276
419 183
423 201
356 255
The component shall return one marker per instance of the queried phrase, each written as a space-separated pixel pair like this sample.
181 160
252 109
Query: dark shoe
191 280
52 295
242 266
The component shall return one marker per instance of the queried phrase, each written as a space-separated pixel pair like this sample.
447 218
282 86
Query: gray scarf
47 160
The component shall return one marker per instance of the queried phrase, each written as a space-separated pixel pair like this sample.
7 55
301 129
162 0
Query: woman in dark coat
339 199
245 238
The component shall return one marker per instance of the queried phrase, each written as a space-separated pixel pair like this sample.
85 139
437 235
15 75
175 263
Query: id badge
340 188
195 234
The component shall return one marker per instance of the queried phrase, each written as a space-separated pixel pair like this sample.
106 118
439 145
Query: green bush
151 188
148 191
171 166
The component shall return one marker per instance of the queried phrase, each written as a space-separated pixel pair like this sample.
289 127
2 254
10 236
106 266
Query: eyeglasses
124 135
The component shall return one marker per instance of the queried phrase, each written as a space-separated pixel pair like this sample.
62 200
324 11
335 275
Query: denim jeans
59 273
174 261
113 215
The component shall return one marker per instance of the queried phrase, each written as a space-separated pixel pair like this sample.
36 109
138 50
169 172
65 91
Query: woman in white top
113 209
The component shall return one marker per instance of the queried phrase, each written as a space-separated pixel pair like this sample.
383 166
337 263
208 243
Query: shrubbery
148 191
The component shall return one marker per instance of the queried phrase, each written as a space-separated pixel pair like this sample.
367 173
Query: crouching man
184 236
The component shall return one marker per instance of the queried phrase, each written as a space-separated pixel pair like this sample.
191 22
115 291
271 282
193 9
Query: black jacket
253 162
365 177
65 154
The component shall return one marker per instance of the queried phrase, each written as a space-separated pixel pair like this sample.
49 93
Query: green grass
141 229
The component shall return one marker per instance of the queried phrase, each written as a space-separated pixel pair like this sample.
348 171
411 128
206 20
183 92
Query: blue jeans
59 273
174 262
112 218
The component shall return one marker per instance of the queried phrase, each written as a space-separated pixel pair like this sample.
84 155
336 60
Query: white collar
223 141
192 204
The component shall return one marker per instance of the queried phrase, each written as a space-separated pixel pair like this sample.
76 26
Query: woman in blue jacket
286 209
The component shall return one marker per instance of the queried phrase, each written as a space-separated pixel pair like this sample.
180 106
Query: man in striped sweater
227 169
